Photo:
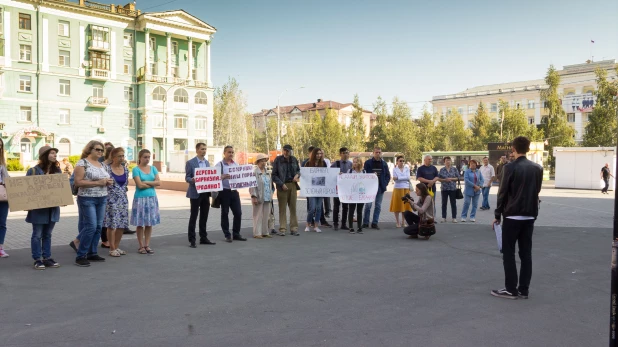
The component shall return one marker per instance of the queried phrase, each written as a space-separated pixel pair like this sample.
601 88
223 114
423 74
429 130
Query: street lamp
279 118
164 154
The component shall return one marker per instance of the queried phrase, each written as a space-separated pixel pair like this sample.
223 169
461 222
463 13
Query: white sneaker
454 220
307 229
317 230
463 220
3 254
472 220
443 220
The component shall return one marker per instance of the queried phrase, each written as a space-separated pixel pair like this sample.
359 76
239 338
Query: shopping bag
498 230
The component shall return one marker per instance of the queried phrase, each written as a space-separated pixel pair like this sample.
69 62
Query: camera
407 198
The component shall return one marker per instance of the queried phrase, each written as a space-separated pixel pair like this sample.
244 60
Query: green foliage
515 123
355 133
427 130
73 159
601 129
451 134
481 129
380 130
132 165
264 141
14 165
327 134
229 110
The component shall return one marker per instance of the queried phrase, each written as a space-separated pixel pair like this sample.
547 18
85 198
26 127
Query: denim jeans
475 201
314 209
446 195
41 236
4 212
91 213
376 211
485 197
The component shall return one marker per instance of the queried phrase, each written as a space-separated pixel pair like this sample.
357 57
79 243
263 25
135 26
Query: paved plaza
329 289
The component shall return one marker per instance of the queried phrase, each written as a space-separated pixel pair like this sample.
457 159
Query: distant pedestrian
489 176
518 203
357 167
428 174
449 176
315 203
68 167
605 175
309 151
285 174
344 165
377 166
401 177
117 209
200 202
43 220
4 205
145 213
261 198
499 168
472 191
230 198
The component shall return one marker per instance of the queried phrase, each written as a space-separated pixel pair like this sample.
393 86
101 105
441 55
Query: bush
131 166
73 159
14 165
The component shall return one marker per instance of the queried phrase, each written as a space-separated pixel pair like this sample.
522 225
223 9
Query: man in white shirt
489 176
230 199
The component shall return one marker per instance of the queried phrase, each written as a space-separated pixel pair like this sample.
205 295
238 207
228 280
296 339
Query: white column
147 53
82 51
169 55
45 60
7 38
112 57
208 64
190 74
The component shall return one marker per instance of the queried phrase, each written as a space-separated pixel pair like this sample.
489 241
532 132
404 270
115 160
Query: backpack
74 188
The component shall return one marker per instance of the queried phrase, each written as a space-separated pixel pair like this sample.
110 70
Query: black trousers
104 234
520 232
344 212
200 206
606 180
359 214
446 195
327 208
230 200
412 219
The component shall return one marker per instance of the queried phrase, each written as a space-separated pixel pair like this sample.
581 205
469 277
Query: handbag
458 193
427 228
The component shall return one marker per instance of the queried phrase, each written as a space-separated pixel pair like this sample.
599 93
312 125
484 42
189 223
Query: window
64 116
25 114
153 43
65 87
194 74
153 68
494 107
128 40
25 53
128 93
128 120
449 111
530 120
100 35
25 83
586 117
158 94
97 119
180 122
24 21
530 104
175 71
63 28
471 110
97 90
174 48
517 105
200 123
127 68
158 121
571 117
64 58
201 98
181 95
194 50
99 61
460 110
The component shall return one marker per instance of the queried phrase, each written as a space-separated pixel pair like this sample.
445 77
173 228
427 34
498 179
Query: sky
411 49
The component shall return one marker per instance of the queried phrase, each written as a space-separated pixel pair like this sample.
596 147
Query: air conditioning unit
101 130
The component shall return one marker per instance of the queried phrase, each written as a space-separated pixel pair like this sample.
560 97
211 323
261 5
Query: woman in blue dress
145 212
117 209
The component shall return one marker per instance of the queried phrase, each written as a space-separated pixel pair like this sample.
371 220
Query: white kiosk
580 167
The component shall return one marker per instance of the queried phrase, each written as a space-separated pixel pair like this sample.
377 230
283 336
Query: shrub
131 166
14 165
73 159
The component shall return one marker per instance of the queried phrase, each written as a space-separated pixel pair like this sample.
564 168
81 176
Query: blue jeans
466 206
314 210
376 211
91 213
485 197
41 235
4 212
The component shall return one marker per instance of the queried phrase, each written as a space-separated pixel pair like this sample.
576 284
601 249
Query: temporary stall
580 167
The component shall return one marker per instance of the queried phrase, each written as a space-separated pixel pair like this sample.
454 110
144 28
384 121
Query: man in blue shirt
378 166
200 202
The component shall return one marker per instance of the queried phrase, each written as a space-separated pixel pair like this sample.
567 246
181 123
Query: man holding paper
200 202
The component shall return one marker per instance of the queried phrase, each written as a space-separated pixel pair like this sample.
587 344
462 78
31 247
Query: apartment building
577 85
71 72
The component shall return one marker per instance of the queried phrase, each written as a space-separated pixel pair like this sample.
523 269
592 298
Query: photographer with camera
424 207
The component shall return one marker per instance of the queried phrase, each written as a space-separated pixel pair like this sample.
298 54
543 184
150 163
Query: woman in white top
4 205
401 177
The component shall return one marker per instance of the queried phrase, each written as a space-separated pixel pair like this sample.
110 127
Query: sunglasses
99 149
400 161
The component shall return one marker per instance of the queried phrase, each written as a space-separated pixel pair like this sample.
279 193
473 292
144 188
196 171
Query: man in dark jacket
518 203
378 166
286 173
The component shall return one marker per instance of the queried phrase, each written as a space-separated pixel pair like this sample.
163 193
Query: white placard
208 180
357 188
318 182
498 230
242 177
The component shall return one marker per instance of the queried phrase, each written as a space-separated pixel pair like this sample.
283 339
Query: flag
592 41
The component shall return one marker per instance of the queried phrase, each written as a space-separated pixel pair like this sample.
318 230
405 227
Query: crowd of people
100 183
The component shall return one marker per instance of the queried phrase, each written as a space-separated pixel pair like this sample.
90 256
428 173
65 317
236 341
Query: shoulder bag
427 227
458 193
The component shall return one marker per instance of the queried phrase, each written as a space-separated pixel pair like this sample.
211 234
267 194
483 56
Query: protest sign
38 191
357 188
208 180
242 177
318 182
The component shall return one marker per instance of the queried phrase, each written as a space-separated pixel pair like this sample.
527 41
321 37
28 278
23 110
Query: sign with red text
242 176
208 180
357 188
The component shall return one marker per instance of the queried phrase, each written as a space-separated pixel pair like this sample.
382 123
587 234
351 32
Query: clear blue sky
410 49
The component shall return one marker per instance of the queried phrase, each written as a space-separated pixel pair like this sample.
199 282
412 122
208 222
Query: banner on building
357 188
242 177
318 182
208 180
578 103
38 191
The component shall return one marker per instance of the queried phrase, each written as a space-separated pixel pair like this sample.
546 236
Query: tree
229 111
426 132
451 134
327 133
379 133
355 133
515 123
555 125
402 130
601 129
481 129
266 140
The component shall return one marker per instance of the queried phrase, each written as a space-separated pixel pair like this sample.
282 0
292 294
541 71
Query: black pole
613 323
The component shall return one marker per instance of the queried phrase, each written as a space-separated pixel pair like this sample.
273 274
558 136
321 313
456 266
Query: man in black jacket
286 173
518 203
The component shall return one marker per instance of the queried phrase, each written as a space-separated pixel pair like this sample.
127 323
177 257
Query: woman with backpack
43 220
424 207
117 210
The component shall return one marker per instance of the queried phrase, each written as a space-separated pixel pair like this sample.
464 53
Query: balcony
98 102
99 74
156 78
200 84
99 46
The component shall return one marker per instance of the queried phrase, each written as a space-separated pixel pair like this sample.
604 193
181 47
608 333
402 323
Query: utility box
580 167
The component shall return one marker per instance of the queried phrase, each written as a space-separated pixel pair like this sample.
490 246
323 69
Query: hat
260 157
287 147
43 150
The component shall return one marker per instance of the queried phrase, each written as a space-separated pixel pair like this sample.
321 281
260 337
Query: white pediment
181 18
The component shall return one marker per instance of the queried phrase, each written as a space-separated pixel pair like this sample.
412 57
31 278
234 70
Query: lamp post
279 118
164 154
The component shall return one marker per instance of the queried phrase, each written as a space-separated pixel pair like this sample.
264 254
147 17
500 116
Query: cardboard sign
208 180
242 177
38 191
318 182
357 188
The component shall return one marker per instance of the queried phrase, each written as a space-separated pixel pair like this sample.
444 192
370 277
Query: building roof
308 107
503 86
